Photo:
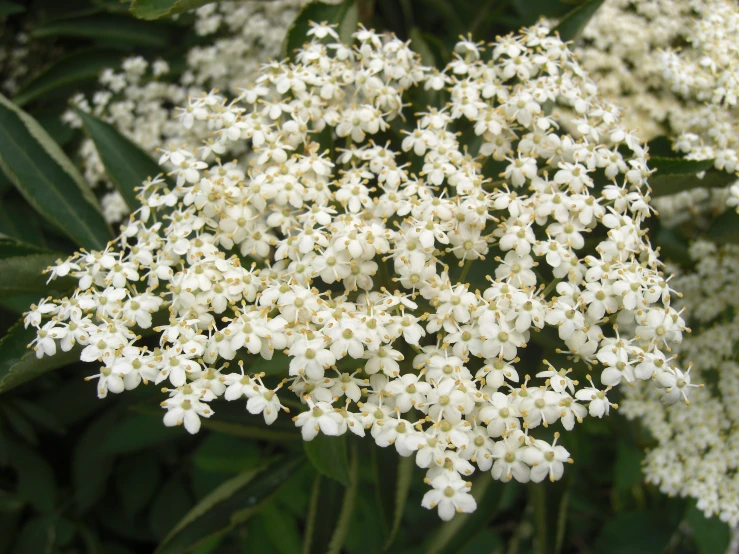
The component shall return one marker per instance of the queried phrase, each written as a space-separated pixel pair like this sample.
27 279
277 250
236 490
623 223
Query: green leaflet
678 166
125 163
675 175
574 22
22 266
107 27
725 228
19 364
71 70
43 174
710 534
329 456
330 512
232 503
346 14
154 9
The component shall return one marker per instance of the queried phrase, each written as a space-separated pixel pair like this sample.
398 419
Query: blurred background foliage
82 475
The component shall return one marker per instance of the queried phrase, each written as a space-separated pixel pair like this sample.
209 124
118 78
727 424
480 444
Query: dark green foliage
83 475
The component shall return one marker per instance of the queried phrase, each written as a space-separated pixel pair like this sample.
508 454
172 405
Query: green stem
465 271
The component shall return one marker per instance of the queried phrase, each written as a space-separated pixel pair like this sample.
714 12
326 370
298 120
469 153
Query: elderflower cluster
688 93
697 454
394 266
141 98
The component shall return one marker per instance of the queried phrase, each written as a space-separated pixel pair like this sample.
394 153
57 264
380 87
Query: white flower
449 495
320 417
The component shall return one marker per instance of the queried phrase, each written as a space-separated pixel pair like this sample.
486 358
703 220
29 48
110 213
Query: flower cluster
689 93
698 449
395 268
140 98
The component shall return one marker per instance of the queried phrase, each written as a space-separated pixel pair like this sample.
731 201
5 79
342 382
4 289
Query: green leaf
347 507
550 502
47 179
223 454
19 424
22 266
663 185
710 534
344 14
36 482
280 529
406 467
138 432
678 166
125 163
232 503
635 533
136 479
109 27
172 502
675 175
39 415
323 512
574 22
37 536
328 455
74 69
725 228
250 431
154 9
419 44
91 465
627 471
10 8
19 364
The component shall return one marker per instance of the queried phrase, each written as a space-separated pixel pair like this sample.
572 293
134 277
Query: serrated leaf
663 185
678 166
233 502
574 22
154 9
107 27
344 14
329 456
22 266
71 70
19 364
125 163
48 180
